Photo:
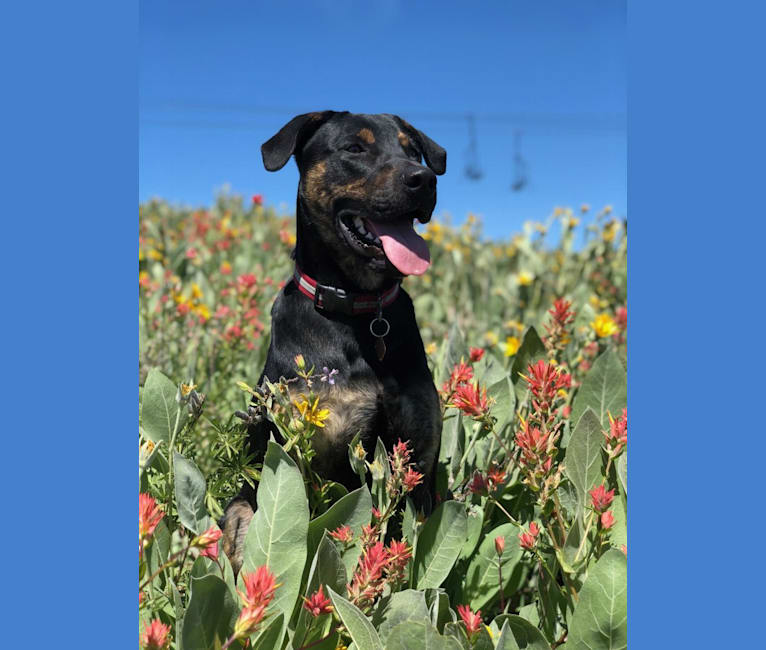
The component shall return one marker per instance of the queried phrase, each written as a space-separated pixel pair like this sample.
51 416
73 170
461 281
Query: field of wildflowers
527 548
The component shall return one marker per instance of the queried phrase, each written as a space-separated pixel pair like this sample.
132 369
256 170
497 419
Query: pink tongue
404 248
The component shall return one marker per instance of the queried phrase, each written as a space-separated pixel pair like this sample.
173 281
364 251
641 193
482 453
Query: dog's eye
354 148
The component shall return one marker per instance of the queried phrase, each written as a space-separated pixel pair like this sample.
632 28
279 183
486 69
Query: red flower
400 456
607 520
257 199
600 498
377 514
560 312
476 354
399 555
149 515
260 586
208 542
495 476
545 380
533 444
246 280
499 544
317 604
191 253
342 534
471 399
527 540
621 316
479 484
617 436
368 580
248 621
472 621
411 480
460 374
155 636
183 308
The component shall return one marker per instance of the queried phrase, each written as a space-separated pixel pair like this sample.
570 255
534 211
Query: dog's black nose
420 179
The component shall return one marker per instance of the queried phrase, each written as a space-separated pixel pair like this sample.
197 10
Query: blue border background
696 286
696 178
69 153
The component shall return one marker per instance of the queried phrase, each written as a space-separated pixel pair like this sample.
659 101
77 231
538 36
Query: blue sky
218 79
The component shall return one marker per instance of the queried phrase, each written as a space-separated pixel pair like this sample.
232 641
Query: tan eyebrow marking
403 139
367 136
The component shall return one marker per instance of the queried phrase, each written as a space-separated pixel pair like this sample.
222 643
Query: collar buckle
333 299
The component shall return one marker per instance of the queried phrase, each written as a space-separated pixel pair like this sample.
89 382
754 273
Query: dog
362 185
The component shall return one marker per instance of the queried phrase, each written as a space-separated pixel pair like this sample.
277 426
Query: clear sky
544 80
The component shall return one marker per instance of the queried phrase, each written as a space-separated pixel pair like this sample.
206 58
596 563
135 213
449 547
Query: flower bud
300 362
500 544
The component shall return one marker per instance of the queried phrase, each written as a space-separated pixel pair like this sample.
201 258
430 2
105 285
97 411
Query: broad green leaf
530 613
359 627
622 472
353 510
211 614
204 566
438 608
457 631
327 570
618 535
604 389
190 494
506 641
482 584
397 608
158 553
454 349
419 634
532 349
475 521
526 635
160 413
271 636
277 533
439 544
504 406
600 619
583 459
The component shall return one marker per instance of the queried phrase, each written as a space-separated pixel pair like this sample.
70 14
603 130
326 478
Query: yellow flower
610 230
311 413
514 325
140 255
511 346
604 325
196 291
525 278
573 222
584 208
607 209
154 254
203 311
557 211
491 338
431 348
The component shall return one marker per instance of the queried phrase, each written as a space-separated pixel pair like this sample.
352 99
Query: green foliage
400 578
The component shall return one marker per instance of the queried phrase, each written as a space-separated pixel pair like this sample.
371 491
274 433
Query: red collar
330 298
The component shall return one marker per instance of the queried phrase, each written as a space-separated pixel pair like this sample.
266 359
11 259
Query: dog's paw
234 525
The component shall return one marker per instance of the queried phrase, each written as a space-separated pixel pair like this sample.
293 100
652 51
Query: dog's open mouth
396 241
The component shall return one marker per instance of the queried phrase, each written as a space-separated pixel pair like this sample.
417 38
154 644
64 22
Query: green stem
168 563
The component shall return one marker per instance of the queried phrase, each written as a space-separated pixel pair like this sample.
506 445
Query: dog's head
362 186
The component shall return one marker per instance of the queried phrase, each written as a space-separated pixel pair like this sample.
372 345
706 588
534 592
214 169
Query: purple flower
328 375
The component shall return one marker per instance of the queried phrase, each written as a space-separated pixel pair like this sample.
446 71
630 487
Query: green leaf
622 473
618 535
583 459
475 521
600 619
159 408
481 579
506 641
357 464
210 616
359 627
454 349
277 533
530 613
439 544
438 608
604 389
190 494
526 635
271 636
532 349
457 631
416 634
397 608
353 510
504 406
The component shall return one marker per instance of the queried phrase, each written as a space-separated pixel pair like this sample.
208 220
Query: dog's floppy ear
277 150
436 156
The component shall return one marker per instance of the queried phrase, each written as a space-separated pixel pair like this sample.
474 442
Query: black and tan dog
362 185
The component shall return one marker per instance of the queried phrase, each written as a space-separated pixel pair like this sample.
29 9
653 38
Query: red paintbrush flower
600 498
149 515
527 540
208 542
476 354
472 621
317 604
471 399
607 520
411 480
155 636
460 374
259 586
500 544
